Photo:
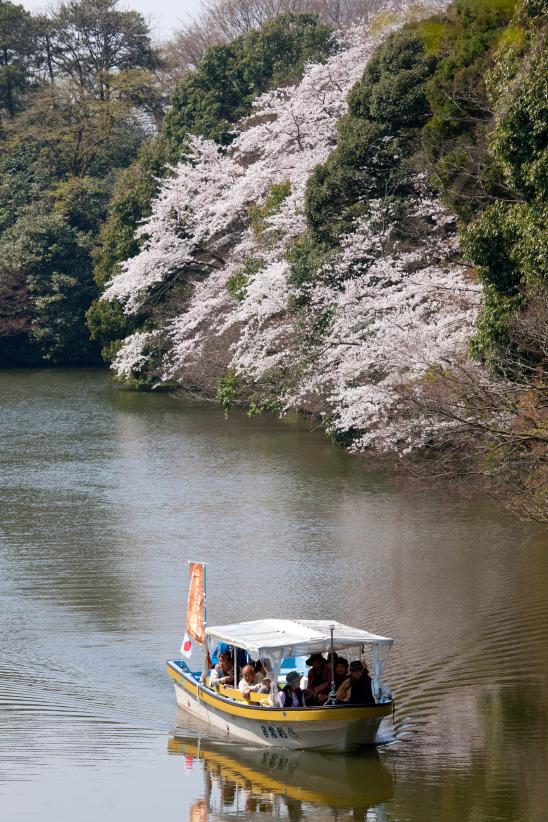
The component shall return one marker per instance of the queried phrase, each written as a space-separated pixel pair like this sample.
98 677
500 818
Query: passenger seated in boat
291 695
341 673
263 674
223 672
319 679
260 671
249 684
356 688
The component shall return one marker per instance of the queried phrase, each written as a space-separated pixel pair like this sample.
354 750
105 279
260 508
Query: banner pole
205 597
204 651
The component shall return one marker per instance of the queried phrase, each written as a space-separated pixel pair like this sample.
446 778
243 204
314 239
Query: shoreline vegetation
333 208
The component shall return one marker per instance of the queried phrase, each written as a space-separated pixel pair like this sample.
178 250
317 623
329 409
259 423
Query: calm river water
105 493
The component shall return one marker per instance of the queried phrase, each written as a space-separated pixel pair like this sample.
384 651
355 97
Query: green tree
375 138
80 124
211 99
75 132
132 195
507 241
16 51
457 135
43 250
93 40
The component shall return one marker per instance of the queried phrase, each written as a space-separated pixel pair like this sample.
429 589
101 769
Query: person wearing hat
291 696
356 690
319 679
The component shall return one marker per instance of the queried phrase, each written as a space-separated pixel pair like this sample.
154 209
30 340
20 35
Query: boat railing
235 693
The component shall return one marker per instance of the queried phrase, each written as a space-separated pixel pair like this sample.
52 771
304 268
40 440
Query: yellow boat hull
335 728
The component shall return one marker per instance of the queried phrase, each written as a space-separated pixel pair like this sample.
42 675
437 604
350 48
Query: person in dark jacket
356 689
292 696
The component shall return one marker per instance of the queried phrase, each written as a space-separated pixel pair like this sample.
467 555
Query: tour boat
260 719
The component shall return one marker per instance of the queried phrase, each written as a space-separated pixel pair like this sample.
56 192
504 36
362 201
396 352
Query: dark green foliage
16 49
492 335
275 54
32 194
24 176
83 202
258 215
108 325
130 203
374 140
367 163
509 244
344 438
70 85
392 88
236 388
487 242
238 282
520 142
75 134
304 256
227 390
19 351
211 99
508 241
57 273
455 138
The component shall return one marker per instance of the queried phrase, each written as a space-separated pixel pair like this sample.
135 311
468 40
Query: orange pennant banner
195 611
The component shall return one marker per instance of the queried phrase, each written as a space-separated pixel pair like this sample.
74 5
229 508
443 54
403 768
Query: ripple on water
108 493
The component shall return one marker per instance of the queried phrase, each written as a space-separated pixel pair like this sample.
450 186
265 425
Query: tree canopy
17 51
75 96
207 102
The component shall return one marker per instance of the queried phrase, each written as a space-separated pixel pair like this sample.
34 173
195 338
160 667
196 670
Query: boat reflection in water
241 781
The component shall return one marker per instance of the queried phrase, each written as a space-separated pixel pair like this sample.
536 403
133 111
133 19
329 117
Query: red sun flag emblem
186 647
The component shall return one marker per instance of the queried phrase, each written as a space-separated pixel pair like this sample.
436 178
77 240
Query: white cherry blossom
391 309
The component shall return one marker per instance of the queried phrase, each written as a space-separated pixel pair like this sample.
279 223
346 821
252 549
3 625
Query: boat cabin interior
283 646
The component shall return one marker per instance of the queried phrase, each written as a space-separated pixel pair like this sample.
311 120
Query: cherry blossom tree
391 309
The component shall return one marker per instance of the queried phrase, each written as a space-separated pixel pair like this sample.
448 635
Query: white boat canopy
282 638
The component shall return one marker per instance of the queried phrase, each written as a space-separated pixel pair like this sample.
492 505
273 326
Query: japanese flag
186 647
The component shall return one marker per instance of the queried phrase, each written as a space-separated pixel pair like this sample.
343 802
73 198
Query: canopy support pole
332 698
205 657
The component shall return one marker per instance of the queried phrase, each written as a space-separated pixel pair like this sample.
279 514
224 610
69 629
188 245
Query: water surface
105 493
